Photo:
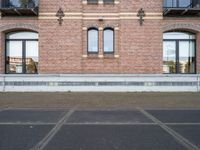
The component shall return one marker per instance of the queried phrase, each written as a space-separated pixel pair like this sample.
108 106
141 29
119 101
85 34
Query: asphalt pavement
99 129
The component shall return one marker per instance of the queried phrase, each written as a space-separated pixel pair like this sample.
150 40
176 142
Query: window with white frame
108 40
93 40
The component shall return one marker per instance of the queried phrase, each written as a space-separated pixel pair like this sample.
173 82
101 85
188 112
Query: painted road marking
186 143
53 132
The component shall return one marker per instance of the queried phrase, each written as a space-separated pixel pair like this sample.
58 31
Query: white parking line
27 123
110 123
53 132
183 124
185 108
186 143
97 123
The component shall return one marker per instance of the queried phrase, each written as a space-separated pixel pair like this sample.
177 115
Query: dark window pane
108 40
108 1
92 1
93 40
196 3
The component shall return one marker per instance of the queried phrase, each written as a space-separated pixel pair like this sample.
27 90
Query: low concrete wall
100 83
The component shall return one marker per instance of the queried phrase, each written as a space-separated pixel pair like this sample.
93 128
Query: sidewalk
100 100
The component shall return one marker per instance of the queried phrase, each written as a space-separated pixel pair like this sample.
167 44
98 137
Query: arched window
108 40
93 40
22 52
179 52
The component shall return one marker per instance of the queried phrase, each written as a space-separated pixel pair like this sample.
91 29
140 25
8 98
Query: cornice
105 16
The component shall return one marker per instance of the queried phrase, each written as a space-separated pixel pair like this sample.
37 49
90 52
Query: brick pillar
100 42
2 53
116 41
198 51
84 44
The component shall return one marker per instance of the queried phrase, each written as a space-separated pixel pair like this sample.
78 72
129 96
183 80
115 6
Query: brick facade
63 49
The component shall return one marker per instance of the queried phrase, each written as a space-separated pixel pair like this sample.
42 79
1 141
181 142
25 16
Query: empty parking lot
99 129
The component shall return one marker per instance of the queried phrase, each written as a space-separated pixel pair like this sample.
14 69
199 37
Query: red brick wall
2 54
60 46
198 52
63 49
53 5
141 47
134 5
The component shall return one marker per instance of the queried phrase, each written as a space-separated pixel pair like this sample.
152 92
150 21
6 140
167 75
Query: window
108 1
108 40
92 1
93 40
22 52
20 3
177 3
179 52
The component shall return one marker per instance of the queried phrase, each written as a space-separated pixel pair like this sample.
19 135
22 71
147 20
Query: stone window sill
100 2
105 56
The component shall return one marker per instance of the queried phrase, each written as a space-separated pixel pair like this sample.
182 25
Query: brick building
134 41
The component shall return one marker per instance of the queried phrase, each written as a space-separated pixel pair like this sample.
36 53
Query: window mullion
177 56
24 56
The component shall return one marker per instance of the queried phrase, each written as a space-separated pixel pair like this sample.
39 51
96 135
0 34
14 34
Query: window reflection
169 57
22 52
31 57
14 56
179 52
21 3
186 57
93 40
108 40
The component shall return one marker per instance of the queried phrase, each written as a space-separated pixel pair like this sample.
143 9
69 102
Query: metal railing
19 3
